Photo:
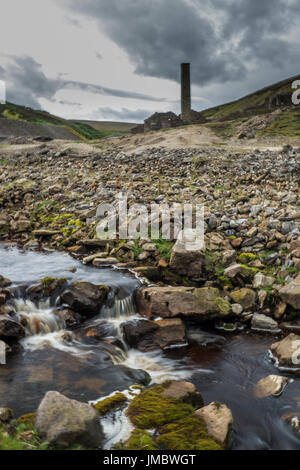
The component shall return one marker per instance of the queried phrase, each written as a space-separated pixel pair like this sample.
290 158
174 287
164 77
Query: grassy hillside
274 100
84 129
110 127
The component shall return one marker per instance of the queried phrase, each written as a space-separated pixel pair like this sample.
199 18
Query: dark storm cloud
158 35
26 84
220 37
131 115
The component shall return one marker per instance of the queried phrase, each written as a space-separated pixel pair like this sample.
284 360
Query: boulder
148 335
262 322
189 302
271 385
245 297
10 329
84 298
290 294
287 351
218 419
64 422
184 391
187 258
4 282
137 332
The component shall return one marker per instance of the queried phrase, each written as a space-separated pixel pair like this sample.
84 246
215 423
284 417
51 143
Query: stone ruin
168 120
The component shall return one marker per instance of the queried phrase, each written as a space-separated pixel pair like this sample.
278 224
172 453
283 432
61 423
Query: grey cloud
26 84
158 35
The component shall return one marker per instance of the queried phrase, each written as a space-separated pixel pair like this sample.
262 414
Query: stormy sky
120 59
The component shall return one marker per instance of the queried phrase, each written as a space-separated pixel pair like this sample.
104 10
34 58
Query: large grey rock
10 329
64 422
85 298
262 322
167 302
187 258
287 351
271 385
149 335
218 419
290 293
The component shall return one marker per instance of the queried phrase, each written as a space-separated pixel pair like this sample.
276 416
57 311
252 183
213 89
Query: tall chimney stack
185 92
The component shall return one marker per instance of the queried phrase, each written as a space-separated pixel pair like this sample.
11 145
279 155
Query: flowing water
53 357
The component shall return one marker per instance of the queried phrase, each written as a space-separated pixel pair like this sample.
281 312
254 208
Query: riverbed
226 370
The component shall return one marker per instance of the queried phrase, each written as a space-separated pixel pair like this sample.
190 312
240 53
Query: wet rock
148 336
218 419
245 297
85 298
47 287
4 282
287 351
237 309
70 318
262 322
290 293
64 422
205 339
150 272
138 331
185 391
167 302
10 329
271 385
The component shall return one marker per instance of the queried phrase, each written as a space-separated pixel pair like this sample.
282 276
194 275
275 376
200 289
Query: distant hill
18 121
273 103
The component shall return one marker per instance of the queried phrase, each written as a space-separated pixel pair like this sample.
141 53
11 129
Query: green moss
223 305
187 434
151 409
164 248
110 403
139 440
21 437
27 419
51 282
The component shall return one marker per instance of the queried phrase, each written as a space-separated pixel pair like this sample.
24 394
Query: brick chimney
185 92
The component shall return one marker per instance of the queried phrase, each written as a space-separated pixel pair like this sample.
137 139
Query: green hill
274 101
85 130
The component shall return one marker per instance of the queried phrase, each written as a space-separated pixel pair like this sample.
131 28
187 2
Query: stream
223 366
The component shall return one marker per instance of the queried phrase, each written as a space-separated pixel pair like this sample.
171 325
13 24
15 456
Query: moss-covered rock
110 403
245 297
139 440
151 409
27 419
189 433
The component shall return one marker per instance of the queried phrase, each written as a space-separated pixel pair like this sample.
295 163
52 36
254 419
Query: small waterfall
38 320
119 308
